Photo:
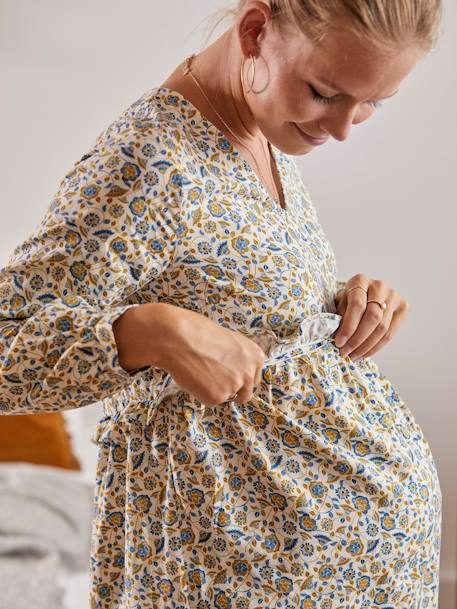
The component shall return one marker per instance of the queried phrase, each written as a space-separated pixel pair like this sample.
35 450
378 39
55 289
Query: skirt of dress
321 492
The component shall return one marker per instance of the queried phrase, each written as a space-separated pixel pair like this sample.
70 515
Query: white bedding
45 524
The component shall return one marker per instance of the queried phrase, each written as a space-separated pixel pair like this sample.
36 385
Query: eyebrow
337 88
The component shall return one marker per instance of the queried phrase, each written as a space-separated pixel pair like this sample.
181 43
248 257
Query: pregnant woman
252 453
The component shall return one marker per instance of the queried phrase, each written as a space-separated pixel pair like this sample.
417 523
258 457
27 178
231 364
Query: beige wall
386 197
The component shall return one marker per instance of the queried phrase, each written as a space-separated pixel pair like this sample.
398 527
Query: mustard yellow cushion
37 438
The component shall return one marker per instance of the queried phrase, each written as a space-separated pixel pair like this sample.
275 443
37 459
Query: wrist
156 322
140 334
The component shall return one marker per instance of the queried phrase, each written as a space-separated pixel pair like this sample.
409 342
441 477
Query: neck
218 70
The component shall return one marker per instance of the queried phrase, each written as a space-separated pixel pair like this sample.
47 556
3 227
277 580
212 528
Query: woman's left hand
366 328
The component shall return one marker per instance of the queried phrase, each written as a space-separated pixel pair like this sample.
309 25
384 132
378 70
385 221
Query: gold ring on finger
357 286
382 304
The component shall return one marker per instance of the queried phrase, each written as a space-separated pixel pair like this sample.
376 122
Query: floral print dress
321 491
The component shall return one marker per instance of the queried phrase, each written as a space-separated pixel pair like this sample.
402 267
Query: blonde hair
388 24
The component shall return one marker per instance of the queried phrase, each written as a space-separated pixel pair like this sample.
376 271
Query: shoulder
147 130
142 149
136 174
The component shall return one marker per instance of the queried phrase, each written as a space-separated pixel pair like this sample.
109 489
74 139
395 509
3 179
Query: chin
294 148
295 145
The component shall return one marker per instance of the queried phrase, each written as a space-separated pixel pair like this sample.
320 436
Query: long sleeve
111 228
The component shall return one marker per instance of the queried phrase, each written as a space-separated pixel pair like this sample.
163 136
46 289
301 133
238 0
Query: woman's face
321 88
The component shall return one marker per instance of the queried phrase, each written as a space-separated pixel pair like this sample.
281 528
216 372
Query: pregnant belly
326 466
320 489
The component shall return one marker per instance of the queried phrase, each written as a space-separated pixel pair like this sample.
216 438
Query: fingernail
340 340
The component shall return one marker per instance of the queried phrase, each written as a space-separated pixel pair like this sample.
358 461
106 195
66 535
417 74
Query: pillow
37 438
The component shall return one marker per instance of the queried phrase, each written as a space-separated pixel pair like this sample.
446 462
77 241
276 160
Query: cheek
298 106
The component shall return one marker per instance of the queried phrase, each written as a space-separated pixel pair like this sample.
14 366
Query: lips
314 141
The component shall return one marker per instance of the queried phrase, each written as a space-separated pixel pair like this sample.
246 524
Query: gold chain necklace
187 70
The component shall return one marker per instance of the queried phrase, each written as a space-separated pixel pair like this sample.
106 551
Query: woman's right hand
205 359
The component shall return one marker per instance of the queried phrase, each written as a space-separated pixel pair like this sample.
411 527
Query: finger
258 376
245 393
260 371
340 294
383 327
341 304
372 317
397 320
354 308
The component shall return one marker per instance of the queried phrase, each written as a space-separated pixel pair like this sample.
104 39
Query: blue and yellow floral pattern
320 492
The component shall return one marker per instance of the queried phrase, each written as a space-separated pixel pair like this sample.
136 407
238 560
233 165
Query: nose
338 122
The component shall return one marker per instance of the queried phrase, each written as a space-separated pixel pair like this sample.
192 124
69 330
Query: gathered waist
313 331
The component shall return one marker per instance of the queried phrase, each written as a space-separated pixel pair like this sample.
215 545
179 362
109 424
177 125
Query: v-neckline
275 170
211 128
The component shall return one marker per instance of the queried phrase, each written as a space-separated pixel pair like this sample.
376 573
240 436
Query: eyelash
328 100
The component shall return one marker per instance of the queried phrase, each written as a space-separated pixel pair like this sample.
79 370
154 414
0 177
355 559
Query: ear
251 25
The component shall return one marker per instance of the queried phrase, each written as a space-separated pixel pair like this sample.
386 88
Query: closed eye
328 100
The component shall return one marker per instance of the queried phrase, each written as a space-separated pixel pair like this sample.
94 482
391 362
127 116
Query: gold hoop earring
253 71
